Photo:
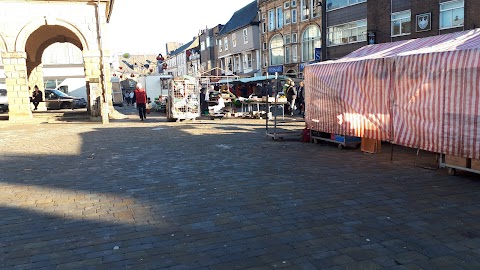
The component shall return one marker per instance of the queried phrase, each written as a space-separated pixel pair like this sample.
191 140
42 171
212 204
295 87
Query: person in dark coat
37 97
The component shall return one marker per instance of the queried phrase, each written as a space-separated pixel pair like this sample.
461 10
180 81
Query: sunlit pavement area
219 194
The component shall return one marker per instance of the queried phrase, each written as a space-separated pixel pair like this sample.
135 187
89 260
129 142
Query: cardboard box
457 161
371 146
476 164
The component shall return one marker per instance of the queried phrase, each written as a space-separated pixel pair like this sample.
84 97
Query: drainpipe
104 102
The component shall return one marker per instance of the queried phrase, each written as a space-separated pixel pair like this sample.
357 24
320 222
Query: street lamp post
323 34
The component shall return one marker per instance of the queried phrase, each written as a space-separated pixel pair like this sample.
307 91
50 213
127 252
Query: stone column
100 104
17 88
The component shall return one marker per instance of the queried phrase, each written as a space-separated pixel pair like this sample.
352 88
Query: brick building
409 19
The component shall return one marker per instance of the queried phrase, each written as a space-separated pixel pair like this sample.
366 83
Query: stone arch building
27 28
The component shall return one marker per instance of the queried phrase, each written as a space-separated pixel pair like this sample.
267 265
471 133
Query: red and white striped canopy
421 93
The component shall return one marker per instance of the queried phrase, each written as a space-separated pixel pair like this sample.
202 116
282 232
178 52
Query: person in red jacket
141 99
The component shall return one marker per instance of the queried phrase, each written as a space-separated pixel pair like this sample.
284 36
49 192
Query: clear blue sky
144 26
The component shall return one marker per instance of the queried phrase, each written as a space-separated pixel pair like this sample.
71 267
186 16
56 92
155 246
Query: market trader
141 99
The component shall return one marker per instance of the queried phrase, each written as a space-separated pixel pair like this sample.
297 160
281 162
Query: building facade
238 43
409 19
208 53
290 35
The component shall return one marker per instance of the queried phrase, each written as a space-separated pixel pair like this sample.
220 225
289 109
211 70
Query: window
264 27
288 17
304 10
310 40
276 50
315 8
234 40
288 54
288 39
279 18
294 3
264 46
245 36
247 61
208 42
294 38
271 20
264 16
202 46
347 33
334 4
286 5
264 58
451 14
220 45
225 41
294 54
294 15
237 63
401 23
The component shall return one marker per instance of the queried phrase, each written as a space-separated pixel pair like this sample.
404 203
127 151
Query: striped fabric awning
422 93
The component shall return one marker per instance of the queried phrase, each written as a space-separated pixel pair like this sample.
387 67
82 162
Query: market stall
420 93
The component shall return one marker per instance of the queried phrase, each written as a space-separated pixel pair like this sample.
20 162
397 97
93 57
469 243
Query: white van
76 87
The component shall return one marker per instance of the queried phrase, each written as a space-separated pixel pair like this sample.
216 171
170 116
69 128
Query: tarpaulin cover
421 93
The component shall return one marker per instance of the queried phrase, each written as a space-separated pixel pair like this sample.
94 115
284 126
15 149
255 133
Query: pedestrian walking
141 100
127 98
37 97
132 97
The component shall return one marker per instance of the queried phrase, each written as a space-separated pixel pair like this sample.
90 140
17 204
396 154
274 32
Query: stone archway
79 23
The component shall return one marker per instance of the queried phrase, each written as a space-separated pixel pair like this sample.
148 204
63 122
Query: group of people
295 97
130 98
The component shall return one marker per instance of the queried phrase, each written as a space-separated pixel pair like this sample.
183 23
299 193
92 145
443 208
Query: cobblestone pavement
221 195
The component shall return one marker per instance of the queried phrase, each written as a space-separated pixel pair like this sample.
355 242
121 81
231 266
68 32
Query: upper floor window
347 33
276 50
234 40
288 39
279 18
208 42
294 15
401 23
334 4
451 14
288 17
245 36
294 38
220 45
271 20
315 8
202 46
311 39
294 3
304 10
225 43
247 61
286 5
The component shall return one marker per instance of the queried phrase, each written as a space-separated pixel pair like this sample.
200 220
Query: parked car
3 98
56 99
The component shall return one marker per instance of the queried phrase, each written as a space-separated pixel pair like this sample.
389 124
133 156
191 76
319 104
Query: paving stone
210 195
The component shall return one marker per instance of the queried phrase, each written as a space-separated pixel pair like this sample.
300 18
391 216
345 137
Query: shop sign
303 65
273 69
424 22
318 54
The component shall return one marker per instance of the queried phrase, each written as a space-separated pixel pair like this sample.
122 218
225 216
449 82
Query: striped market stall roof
421 93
